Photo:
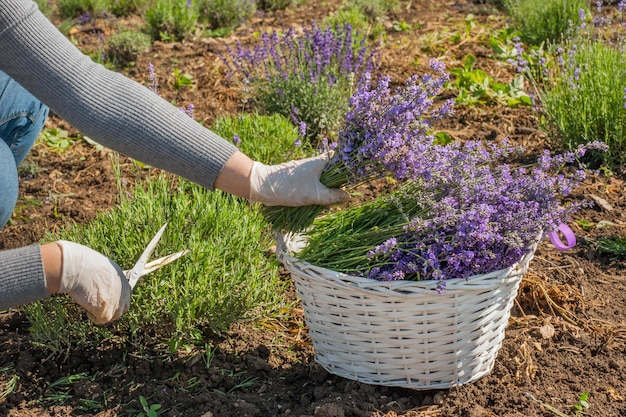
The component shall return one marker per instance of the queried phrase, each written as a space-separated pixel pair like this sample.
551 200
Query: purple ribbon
567 233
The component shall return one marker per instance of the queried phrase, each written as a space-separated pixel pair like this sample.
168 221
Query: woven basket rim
478 282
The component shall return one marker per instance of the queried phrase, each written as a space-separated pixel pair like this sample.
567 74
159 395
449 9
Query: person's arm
108 107
22 277
93 281
126 116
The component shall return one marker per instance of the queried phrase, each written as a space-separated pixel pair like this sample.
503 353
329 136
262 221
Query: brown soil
566 335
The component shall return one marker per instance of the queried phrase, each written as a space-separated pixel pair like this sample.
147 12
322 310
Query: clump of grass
124 47
583 96
225 13
171 20
306 77
541 21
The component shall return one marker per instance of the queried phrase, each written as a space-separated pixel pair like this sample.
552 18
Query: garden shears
143 267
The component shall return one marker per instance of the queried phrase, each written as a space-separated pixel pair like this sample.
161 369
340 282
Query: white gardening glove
294 183
95 282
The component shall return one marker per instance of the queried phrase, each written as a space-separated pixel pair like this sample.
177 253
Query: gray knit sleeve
106 106
22 278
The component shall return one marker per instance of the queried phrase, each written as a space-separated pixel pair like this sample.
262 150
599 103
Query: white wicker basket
404 333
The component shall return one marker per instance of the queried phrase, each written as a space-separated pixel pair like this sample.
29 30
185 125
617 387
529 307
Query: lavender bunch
386 133
472 215
308 77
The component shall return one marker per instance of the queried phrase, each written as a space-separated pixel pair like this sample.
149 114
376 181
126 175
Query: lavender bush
225 13
306 77
385 133
467 213
582 90
541 21
169 20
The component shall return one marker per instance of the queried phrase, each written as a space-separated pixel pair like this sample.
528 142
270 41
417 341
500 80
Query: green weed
149 410
46 7
181 79
576 410
357 20
474 86
57 139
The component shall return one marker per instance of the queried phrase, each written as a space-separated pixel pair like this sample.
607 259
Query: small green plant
576 410
474 86
613 245
57 139
181 79
364 16
60 390
11 385
171 20
149 410
581 405
225 13
124 47
209 354
541 21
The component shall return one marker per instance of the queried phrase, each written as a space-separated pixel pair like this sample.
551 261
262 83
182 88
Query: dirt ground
566 335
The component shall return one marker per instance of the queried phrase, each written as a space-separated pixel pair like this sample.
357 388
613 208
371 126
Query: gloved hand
95 282
294 183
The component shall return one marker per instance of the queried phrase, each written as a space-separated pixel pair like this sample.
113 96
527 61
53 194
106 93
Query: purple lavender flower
476 214
153 82
236 139
327 59
389 132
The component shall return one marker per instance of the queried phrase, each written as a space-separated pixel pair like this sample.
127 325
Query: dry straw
404 333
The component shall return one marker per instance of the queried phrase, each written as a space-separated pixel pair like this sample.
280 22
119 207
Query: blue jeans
21 119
